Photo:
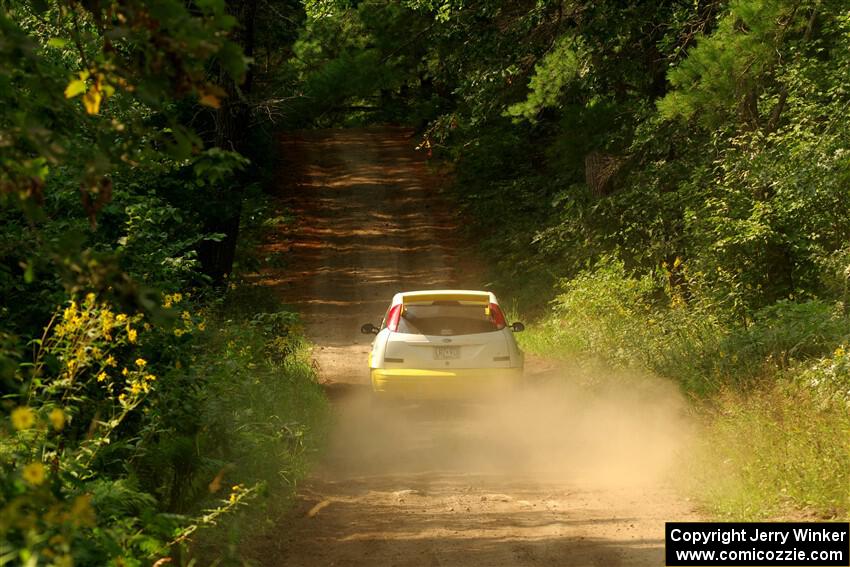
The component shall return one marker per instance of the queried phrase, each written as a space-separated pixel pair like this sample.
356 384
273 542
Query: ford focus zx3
444 344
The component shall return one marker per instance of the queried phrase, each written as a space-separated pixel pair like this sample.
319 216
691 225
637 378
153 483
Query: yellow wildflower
57 419
839 352
122 398
110 361
166 301
131 334
121 319
102 377
186 316
140 362
150 378
179 332
124 372
236 489
202 326
135 388
107 319
33 474
147 326
177 297
90 298
22 418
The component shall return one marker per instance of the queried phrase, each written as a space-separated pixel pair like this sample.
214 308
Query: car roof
445 295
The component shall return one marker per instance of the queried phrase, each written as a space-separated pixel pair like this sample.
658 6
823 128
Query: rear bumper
461 383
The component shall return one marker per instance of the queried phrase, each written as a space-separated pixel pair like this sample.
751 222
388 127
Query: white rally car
444 344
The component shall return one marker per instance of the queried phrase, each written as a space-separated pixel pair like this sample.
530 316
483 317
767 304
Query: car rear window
445 318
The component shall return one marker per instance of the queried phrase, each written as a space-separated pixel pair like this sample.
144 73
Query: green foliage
607 307
724 73
352 62
791 331
610 314
556 70
83 83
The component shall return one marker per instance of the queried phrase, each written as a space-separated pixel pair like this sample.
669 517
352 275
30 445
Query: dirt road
573 472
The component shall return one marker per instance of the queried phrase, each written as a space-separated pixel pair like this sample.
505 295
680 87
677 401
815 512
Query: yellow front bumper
461 383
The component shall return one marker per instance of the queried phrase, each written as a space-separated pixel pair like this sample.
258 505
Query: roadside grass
780 452
264 415
775 395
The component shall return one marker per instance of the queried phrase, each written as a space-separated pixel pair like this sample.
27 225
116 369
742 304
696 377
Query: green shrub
789 330
629 320
599 312
123 437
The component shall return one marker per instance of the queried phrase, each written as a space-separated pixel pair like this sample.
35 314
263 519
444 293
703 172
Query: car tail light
393 316
497 316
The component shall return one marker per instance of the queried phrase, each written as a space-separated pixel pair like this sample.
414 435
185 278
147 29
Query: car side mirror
369 329
517 327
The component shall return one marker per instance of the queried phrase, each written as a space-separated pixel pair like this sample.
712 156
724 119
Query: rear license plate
446 352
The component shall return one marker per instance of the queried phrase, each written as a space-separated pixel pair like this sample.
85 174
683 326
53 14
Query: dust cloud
602 431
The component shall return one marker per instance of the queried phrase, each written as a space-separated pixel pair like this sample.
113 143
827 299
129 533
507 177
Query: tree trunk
232 122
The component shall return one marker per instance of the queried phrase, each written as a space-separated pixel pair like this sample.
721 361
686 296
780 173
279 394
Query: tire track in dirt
524 483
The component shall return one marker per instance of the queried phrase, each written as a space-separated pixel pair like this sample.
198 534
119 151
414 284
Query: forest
662 187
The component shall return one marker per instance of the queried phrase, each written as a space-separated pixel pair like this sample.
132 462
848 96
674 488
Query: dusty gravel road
565 474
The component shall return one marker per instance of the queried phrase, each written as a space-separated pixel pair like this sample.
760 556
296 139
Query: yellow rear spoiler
482 298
